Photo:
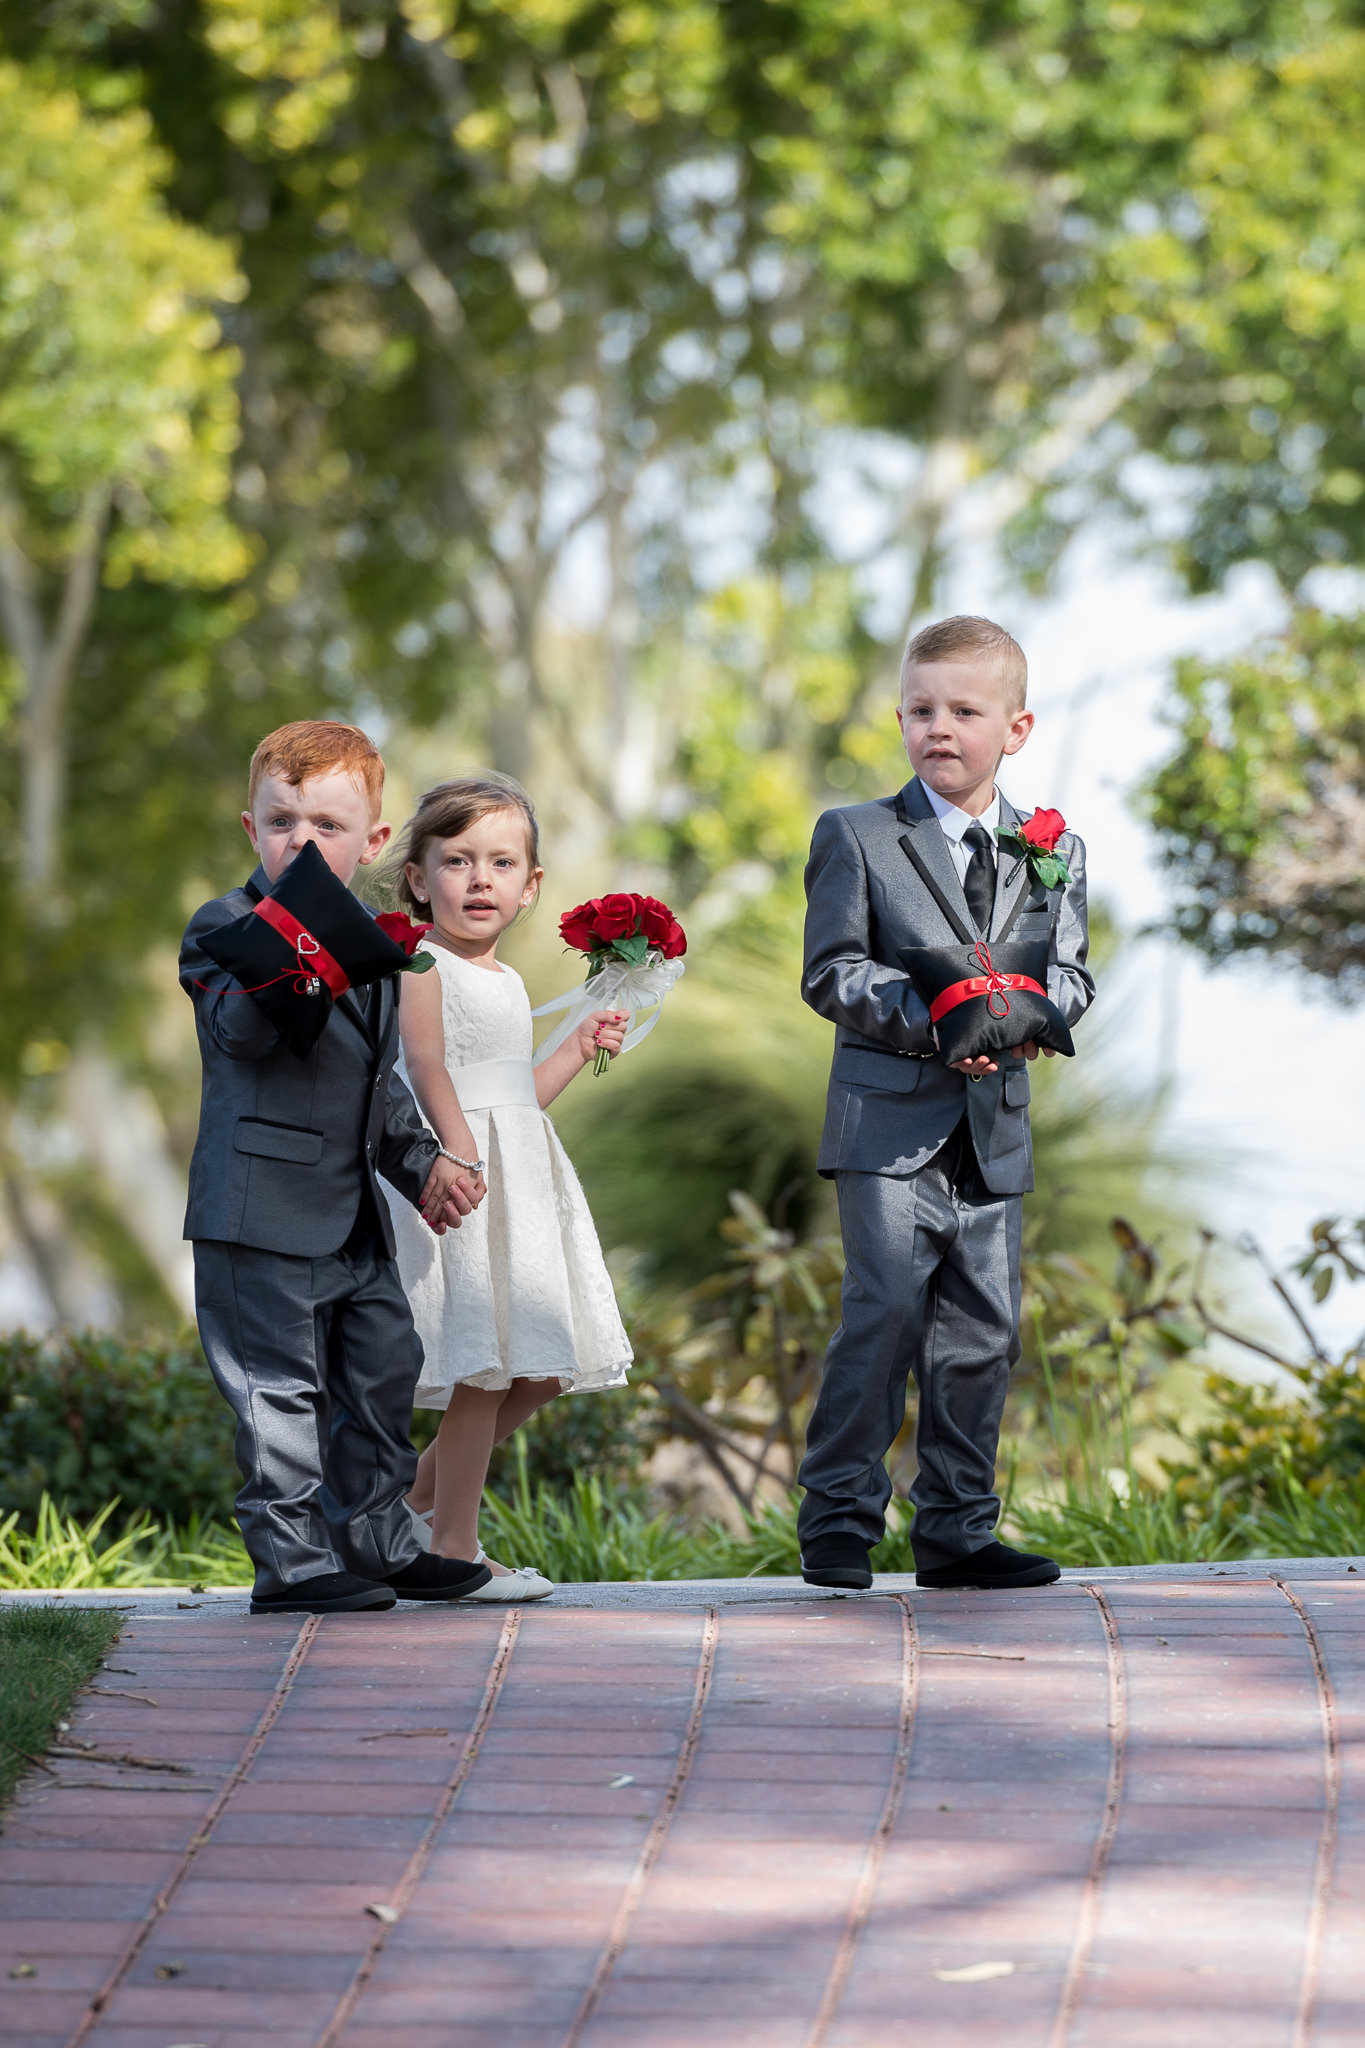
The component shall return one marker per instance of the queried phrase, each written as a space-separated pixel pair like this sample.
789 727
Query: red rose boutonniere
1034 843
400 928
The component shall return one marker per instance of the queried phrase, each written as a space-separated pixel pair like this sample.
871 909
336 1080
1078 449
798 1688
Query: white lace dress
520 1290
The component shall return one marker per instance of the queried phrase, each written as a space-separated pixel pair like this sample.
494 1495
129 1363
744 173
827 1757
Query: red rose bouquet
634 946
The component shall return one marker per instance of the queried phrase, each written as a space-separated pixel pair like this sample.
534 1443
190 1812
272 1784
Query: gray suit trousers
931 1287
318 1359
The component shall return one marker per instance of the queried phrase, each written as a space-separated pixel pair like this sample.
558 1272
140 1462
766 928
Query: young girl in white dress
516 1306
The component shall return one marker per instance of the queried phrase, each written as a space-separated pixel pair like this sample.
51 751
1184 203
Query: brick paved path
1096 1816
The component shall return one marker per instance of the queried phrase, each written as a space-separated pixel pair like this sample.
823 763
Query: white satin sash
495 1084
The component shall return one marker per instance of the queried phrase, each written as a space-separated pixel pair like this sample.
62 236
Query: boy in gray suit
304 1323
930 1162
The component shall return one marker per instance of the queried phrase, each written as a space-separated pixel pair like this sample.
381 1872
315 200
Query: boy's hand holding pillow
305 943
985 998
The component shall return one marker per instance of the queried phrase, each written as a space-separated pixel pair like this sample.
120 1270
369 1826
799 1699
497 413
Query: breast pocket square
984 999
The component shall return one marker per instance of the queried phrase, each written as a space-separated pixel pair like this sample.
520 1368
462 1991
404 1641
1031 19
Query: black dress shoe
837 1560
324 1593
994 1565
433 1577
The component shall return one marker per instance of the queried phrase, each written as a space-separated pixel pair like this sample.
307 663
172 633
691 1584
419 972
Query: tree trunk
48 662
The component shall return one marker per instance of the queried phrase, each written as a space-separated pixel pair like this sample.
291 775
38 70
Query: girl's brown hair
446 811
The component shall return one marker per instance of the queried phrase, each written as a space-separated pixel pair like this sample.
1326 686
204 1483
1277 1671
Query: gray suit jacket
287 1148
892 1103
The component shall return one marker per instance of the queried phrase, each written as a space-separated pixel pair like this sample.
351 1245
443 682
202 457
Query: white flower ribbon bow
614 987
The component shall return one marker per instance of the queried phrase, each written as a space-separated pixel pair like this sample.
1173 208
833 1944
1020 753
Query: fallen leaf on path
385 1913
1000 1656
407 1734
975 1973
28 1756
170 1970
112 1692
86 1753
125 1785
23 1970
615 1784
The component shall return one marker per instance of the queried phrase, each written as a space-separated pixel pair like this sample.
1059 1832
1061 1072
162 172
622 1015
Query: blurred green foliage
88 1420
1261 805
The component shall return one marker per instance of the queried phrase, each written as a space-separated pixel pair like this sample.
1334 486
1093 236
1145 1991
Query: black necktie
979 884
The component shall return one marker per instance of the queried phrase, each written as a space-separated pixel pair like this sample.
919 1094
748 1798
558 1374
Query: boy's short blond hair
950 639
315 746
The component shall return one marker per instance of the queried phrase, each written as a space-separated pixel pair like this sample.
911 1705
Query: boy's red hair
315 746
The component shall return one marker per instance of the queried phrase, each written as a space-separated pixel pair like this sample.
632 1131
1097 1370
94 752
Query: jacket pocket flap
895 1072
1016 1090
278 1141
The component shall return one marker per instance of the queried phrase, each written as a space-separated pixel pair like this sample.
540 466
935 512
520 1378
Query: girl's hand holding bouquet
602 1034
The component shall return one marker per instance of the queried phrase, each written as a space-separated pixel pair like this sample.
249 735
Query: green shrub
610 1433
1260 1436
88 1420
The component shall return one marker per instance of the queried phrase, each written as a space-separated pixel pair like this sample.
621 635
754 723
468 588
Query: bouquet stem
602 1062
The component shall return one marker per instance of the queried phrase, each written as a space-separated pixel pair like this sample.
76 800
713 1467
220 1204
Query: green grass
46 1655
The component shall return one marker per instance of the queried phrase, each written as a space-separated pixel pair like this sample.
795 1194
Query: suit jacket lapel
351 1004
1007 893
921 823
386 1015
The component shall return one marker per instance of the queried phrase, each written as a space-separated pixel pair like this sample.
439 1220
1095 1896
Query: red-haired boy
304 1323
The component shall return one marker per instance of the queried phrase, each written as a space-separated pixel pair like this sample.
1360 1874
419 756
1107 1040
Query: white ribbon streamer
616 986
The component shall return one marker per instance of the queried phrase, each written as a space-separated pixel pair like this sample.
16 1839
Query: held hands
977 1069
450 1195
602 1032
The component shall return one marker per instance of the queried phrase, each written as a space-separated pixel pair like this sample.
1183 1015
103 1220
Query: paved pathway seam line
1327 1840
1089 1914
861 1907
652 1846
98 2004
421 1855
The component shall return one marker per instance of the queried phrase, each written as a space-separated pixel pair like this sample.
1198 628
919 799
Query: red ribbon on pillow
313 957
991 985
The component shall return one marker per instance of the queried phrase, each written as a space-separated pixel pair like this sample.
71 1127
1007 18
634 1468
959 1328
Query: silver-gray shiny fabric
931 1288
319 1360
929 1168
892 1103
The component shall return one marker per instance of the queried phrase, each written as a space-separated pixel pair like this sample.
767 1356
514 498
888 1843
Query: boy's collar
258 885
955 821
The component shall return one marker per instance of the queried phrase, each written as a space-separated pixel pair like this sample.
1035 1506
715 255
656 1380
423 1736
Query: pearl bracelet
469 1165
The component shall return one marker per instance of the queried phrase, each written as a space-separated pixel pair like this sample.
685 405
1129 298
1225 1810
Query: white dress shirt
956 824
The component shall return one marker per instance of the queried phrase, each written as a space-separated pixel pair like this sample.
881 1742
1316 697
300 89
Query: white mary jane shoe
421 1525
510 1588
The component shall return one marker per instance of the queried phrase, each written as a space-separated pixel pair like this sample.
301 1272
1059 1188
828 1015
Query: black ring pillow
979 999
321 942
